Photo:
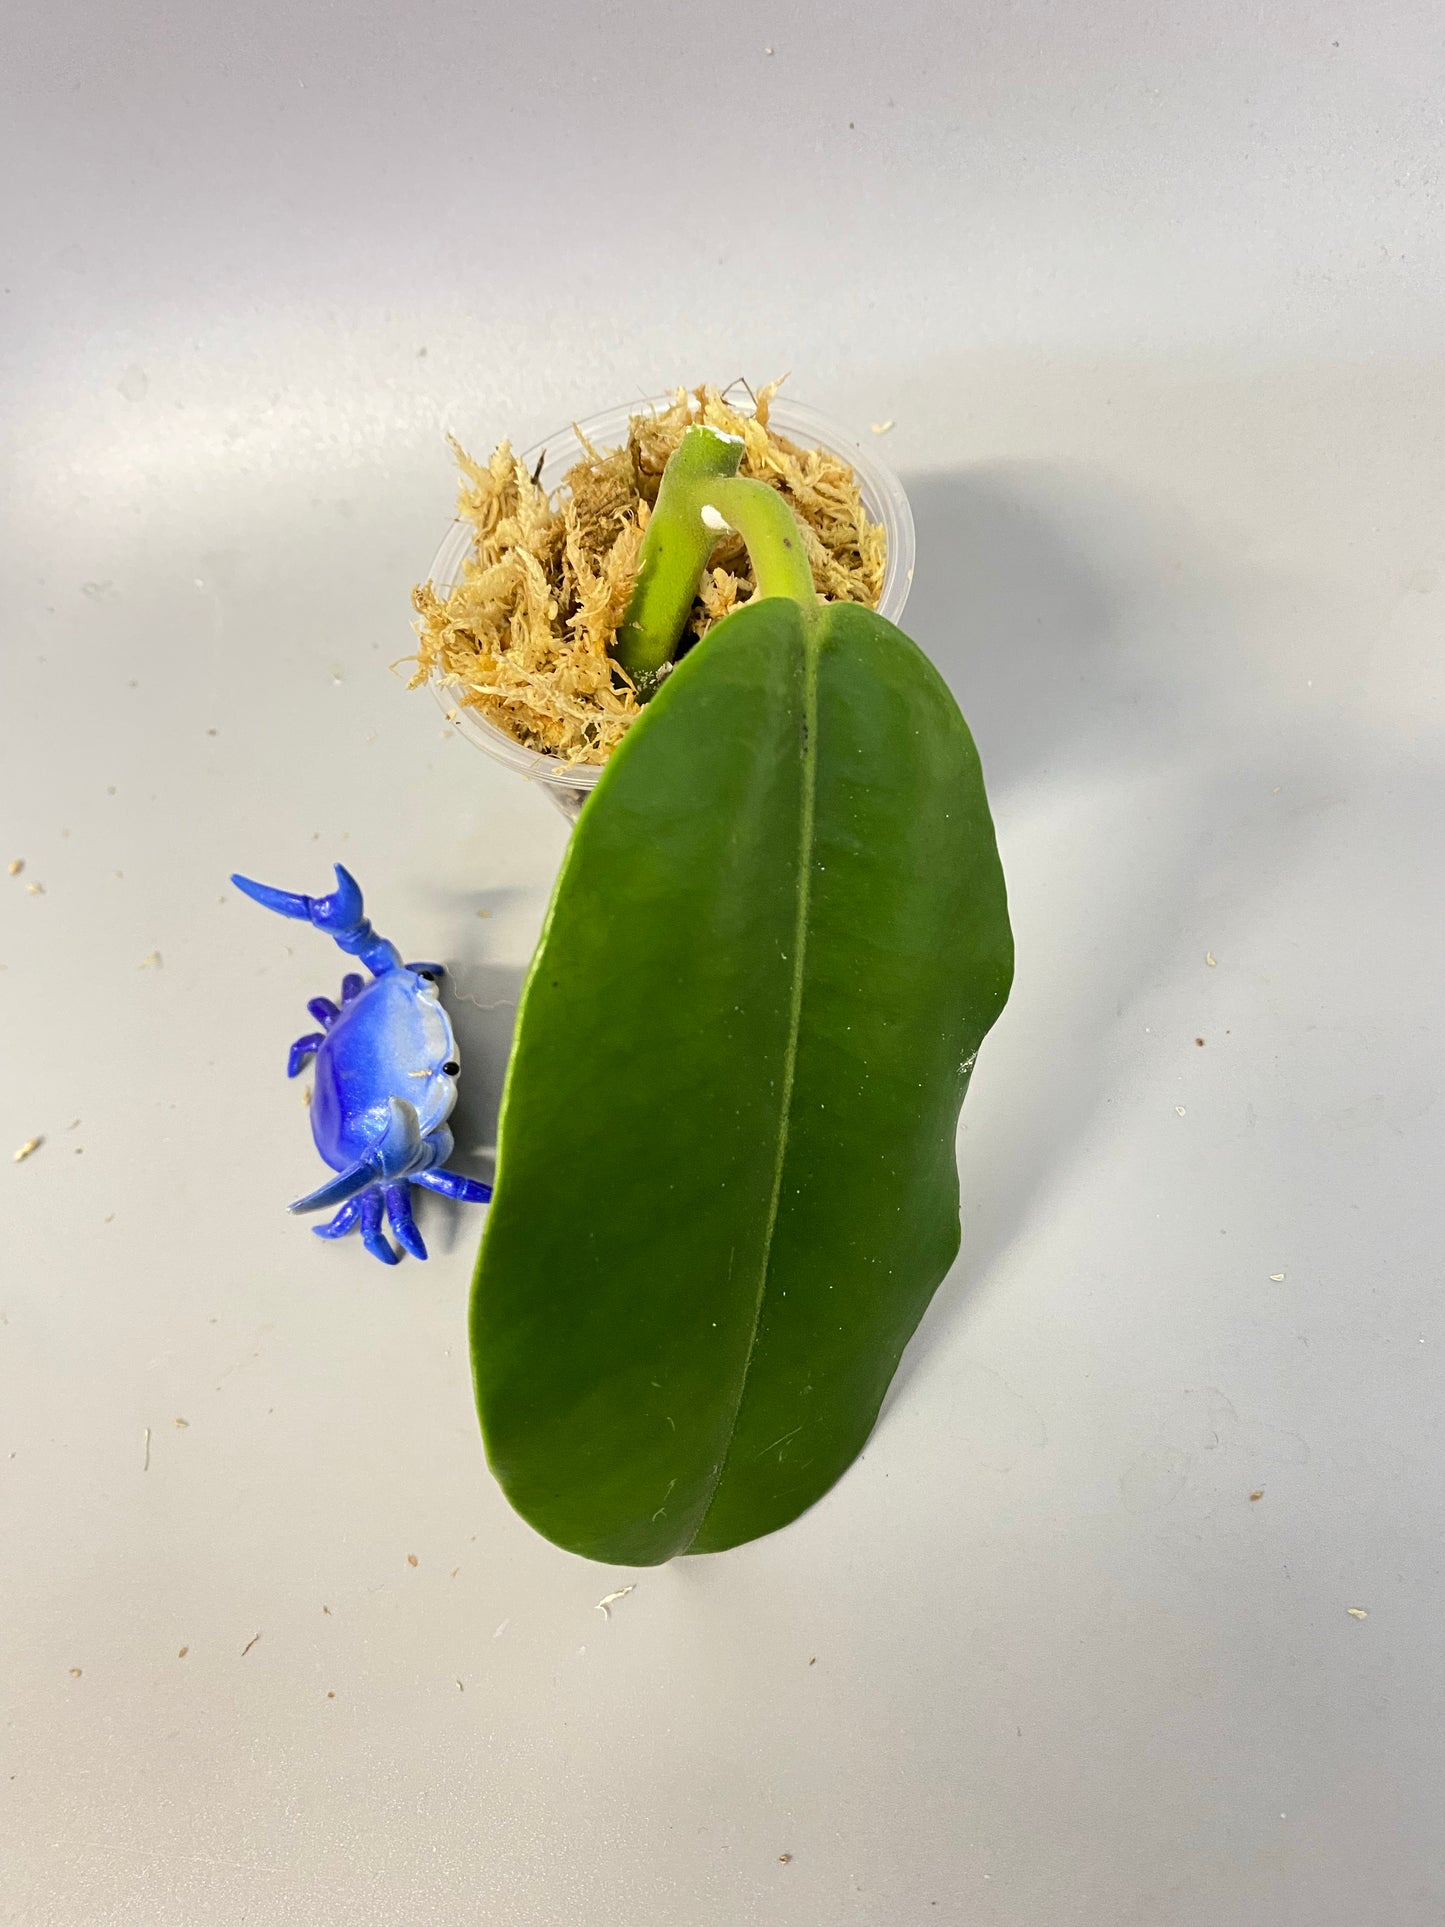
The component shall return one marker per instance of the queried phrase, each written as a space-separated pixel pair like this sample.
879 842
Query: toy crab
386 1069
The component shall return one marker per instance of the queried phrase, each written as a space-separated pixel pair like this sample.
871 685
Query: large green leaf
726 1179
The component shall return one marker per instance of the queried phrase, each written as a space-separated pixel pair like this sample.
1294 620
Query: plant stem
674 553
775 541
702 495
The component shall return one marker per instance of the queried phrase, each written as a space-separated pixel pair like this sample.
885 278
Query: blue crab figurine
386 1068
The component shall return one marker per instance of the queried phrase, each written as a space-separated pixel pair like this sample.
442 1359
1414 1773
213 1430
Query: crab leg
371 1233
303 1048
345 1218
452 1184
351 986
398 1209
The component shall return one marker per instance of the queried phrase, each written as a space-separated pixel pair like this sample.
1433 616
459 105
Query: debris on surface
610 1599
1357 1612
783 1859
1254 1496
182 1653
1180 1109
880 428
28 1149
1210 958
152 962
16 865
411 1559
145 1464
181 1424
1276 1277
75 1672
36 889
524 636
249 1644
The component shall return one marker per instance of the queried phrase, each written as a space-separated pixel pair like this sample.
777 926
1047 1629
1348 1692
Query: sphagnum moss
525 636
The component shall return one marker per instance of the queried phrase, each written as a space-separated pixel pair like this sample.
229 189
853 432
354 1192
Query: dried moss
523 637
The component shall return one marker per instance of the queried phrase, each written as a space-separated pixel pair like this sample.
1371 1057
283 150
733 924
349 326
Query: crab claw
286 902
340 915
341 910
397 1153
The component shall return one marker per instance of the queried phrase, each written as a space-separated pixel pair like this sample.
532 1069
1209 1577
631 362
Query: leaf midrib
806 826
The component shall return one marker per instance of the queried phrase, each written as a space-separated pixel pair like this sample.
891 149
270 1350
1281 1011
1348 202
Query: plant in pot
726 1182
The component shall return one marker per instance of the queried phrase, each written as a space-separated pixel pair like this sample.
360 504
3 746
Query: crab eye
430 975
451 1067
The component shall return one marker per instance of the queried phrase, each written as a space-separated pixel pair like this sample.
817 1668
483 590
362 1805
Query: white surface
1154 299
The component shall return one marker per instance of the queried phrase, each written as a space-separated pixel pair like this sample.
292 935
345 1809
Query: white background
1154 297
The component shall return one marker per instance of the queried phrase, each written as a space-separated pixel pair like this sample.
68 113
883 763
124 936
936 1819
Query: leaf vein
806 833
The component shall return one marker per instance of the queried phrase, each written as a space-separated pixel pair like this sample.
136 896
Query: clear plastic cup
570 784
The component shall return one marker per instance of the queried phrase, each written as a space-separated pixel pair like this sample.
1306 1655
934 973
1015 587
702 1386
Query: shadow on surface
1010 611
1077 648
481 1000
1055 605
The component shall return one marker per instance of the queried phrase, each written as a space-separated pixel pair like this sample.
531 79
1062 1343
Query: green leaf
726 1178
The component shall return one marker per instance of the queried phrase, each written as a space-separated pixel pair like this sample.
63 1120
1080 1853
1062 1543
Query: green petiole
701 496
